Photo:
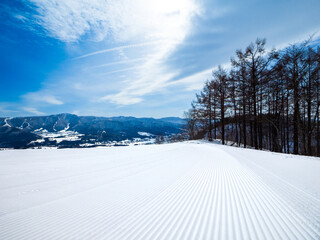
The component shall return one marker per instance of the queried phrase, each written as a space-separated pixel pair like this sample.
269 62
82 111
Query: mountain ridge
72 130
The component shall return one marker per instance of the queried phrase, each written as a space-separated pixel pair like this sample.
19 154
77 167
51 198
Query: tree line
265 100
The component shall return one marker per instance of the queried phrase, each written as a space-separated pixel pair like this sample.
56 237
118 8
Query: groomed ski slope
192 190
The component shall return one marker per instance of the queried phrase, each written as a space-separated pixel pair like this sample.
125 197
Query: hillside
192 190
69 130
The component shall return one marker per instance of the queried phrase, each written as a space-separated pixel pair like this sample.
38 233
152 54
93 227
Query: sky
141 58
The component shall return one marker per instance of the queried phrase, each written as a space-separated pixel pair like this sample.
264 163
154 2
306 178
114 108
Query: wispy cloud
32 110
52 100
8 109
20 17
118 62
196 81
122 99
121 70
173 25
41 97
116 49
146 29
70 20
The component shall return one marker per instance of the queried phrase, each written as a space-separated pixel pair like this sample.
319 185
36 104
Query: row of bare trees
266 100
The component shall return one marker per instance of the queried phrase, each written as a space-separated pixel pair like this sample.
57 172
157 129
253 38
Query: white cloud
121 48
21 18
40 98
69 20
122 99
196 81
6 109
119 62
120 70
32 110
154 28
171 24
52 100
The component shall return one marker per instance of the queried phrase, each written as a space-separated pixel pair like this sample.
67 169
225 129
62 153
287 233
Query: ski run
190 190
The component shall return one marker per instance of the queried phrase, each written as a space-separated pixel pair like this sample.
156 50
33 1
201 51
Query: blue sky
143 58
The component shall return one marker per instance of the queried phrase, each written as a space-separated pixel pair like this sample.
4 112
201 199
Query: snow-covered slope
192 190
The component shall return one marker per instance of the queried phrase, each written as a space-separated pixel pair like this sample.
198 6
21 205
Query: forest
266 99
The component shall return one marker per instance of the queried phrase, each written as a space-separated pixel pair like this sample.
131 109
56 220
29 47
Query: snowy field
192 190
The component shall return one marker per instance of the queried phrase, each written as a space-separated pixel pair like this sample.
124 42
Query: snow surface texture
192 190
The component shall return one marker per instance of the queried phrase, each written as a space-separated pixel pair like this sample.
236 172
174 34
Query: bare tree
266 100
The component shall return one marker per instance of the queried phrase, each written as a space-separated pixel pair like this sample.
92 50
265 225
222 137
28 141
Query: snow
54 126
145 134
63 135
6 123
25 121
65 129
192 190
37 141
40 129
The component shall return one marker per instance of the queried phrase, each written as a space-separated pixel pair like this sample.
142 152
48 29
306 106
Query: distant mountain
69 130
175 120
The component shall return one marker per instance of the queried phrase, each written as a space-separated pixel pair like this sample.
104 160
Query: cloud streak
119 62
117 49
120 70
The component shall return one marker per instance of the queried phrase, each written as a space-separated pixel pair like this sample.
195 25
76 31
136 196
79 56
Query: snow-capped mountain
72 130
